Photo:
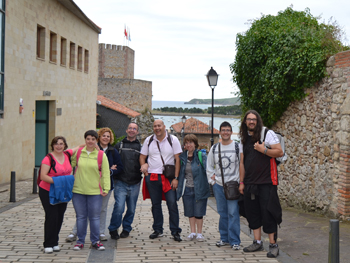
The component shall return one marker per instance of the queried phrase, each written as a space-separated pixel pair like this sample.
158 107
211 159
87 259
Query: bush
280 56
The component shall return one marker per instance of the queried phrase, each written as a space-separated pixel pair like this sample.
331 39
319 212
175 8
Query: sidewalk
21 237
303 237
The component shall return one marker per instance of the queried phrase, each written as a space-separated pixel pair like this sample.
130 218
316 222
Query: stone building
116 78
198 128
49 75
316 175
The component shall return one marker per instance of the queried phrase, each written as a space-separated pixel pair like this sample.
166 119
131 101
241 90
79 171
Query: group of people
251 163
99 167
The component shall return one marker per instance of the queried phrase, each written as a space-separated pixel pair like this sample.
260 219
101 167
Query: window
86 61
63 51
80 58
2 48
53 47
40 42
72 55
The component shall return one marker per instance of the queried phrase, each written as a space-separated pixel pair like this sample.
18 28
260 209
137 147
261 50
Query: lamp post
183 119
212 78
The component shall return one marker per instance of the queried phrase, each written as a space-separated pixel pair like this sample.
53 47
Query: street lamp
183 119
212 78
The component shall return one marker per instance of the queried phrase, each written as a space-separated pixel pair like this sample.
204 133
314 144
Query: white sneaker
71 237
103 237
236 247
191 236
56 249
48 250
200 237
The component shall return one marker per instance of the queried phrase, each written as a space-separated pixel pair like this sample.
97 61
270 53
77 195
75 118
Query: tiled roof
110 104
192 125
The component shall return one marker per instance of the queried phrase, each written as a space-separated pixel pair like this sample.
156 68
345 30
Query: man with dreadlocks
258 181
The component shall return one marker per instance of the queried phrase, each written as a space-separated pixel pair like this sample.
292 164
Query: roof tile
117 107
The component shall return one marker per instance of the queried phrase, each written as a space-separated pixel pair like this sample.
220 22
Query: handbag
230 188
168 169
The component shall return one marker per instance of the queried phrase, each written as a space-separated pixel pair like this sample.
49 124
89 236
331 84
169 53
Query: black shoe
177 237
124 234
155 234
114 234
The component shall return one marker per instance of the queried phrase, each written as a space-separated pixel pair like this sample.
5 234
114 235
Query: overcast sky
176 42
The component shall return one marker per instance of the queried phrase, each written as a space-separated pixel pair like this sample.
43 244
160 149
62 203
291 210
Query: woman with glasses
193 186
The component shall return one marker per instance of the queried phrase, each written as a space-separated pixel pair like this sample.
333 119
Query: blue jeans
87 207
124 193
155 191
229 222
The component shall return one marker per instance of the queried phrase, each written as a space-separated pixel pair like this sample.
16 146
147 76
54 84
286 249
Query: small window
40 42
53 47
86 61
80 58
63 51
72 55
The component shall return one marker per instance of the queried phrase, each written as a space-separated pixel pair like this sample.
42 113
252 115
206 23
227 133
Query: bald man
161 144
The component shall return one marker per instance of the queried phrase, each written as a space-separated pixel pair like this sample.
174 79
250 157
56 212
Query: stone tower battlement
116 61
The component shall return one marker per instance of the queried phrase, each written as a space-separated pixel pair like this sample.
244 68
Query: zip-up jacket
201 185
130 154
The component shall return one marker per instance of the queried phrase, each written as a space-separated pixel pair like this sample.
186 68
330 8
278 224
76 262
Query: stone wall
316 175
132 93
115 62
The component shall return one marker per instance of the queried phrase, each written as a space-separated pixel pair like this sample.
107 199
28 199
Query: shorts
193 208
256 210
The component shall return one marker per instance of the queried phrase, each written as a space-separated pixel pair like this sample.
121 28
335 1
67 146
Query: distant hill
227 101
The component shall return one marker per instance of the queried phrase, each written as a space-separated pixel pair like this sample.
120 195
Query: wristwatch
176 178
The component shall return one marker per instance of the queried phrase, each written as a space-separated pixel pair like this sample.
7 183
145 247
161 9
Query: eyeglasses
132 129
251 120
226 130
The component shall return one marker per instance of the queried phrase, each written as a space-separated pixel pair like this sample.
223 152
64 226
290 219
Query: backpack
99 159
200 157
280 137
52 165
168 138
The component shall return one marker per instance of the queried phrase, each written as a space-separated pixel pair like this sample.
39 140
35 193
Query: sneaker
236 247
78 247
155 234
200 237
98 246
56 249
191 236
124 234
273 251
114 234
71 237
48 250
221 243
254 247
103 237
177 237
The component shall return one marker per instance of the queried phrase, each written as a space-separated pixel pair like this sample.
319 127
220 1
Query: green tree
280 56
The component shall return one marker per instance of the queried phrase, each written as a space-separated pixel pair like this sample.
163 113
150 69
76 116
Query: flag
125 33
129 34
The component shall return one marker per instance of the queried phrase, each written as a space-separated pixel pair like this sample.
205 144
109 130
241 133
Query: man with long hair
259 180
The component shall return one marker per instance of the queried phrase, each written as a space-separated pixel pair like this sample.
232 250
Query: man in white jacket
229 223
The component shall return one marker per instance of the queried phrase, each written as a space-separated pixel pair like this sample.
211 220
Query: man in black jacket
127 183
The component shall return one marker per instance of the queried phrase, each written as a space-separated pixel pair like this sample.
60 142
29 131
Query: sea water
170 120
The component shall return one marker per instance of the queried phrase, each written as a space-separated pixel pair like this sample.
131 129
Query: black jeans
53 219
